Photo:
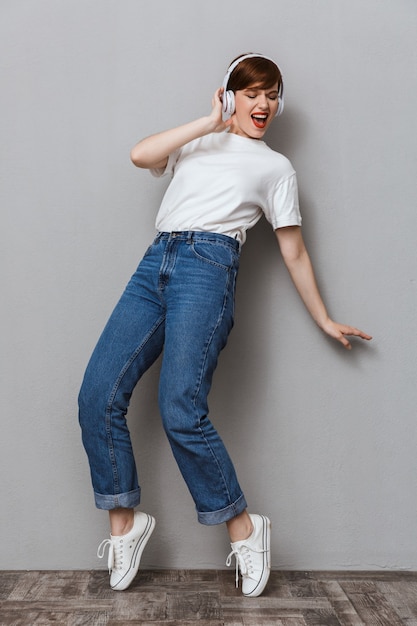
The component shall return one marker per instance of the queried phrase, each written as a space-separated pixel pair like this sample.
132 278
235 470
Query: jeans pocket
218 254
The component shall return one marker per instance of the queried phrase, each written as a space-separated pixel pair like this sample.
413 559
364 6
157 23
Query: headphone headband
252 55
229 96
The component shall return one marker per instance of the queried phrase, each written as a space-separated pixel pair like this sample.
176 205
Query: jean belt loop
190 237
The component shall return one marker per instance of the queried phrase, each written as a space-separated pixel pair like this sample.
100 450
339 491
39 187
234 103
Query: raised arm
299 265
153 151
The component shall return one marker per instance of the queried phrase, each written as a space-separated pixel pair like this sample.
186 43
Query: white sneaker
125 551
253 557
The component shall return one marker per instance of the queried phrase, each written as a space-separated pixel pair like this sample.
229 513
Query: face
255 109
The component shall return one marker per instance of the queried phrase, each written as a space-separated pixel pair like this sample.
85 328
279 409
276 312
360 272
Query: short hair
256 70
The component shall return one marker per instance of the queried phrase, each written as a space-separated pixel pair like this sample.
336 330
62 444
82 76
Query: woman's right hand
216 118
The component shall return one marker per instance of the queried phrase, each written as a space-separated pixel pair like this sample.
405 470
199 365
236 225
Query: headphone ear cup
280 101
230 103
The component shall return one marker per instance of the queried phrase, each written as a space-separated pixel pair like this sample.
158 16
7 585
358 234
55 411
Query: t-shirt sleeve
282 207
168 170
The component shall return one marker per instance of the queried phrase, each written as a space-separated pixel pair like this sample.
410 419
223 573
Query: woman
181 300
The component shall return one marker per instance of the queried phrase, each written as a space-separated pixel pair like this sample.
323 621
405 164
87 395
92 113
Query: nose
263 101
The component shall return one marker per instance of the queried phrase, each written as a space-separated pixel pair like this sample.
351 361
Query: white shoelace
113 561
243 561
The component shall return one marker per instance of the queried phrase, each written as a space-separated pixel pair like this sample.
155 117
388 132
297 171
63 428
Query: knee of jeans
176 417
90 402
180 414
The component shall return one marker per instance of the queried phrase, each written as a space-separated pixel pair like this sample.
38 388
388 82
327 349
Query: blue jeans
180 300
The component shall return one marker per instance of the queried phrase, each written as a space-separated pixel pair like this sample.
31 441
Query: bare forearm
154 150
302 275
298 262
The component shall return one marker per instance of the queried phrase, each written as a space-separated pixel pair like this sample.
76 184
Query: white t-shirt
223 183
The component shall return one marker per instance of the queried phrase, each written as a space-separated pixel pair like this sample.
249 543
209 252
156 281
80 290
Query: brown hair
254 71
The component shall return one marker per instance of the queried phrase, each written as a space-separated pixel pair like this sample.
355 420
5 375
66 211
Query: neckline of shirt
241 138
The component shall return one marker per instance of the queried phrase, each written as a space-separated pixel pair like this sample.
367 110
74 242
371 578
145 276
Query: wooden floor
208 597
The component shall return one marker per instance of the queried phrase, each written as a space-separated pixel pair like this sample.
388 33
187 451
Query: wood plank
341 604
32 618
167 623
129 605
208 598
402 597
194 605
321 617
374 609
275 620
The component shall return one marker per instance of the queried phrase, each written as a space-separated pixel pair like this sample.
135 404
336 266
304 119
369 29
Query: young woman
181 300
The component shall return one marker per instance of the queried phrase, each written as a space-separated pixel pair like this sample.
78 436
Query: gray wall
323 440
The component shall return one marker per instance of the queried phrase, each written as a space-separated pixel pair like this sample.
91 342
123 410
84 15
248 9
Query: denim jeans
180 301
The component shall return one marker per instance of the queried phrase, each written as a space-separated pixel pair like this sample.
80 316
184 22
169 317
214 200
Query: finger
351 330
345 343
359 333
218 94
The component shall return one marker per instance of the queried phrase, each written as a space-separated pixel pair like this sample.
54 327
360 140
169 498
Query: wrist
210 124
322 321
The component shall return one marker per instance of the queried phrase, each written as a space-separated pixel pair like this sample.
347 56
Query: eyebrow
259 88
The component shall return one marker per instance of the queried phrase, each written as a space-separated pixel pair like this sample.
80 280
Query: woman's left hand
299 265
340 331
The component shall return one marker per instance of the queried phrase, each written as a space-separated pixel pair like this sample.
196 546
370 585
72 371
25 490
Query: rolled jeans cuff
223 515
126 500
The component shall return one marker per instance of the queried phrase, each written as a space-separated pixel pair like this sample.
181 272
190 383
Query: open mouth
259 119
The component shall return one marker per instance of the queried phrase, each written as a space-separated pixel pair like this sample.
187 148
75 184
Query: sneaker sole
266 534
135 562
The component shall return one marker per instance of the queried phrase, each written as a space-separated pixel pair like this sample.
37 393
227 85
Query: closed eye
273 95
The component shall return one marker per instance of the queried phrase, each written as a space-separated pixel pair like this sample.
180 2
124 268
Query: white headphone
228 97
